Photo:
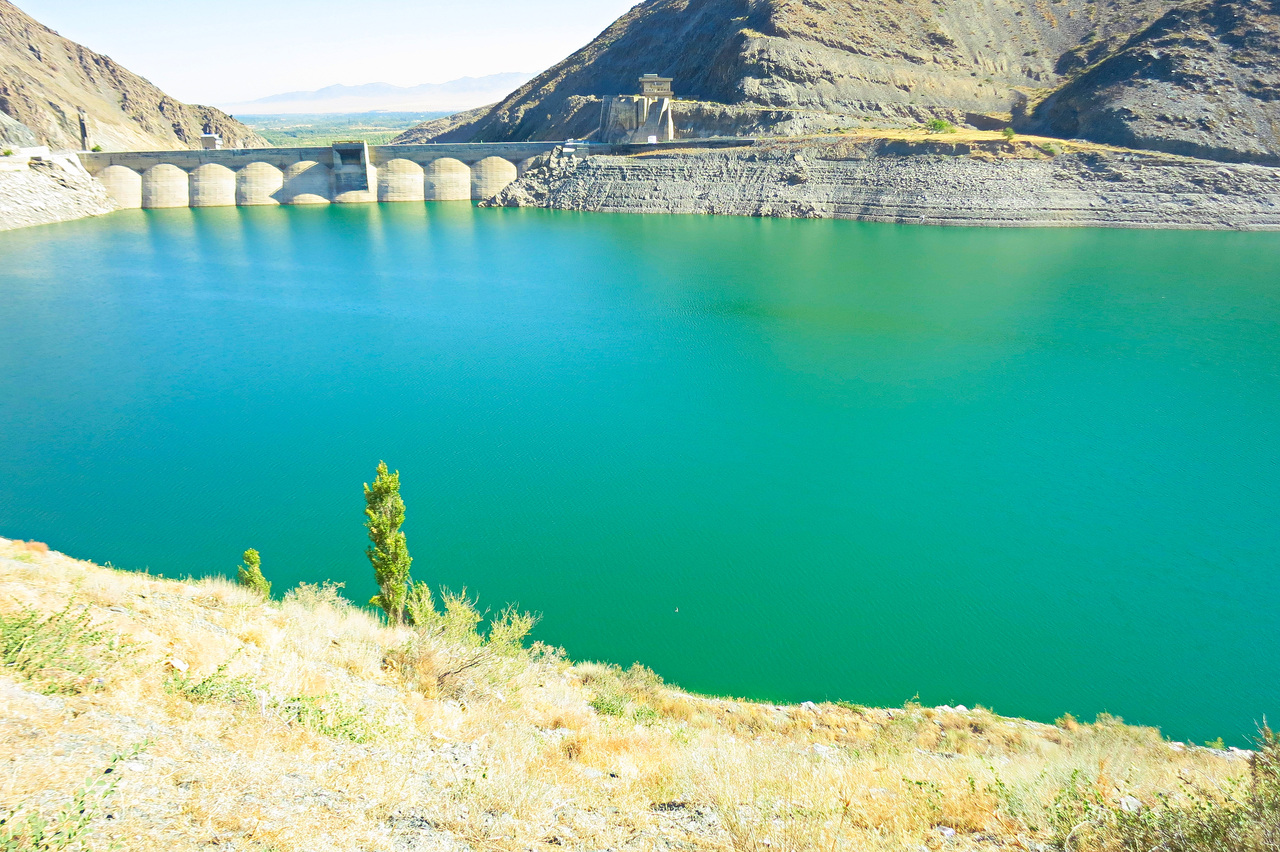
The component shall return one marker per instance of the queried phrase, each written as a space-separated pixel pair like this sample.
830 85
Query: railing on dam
343 173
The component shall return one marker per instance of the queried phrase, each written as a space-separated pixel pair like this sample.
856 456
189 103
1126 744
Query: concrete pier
345 173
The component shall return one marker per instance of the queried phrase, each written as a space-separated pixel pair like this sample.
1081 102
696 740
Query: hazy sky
225 51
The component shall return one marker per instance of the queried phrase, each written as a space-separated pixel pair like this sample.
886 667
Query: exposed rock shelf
39 191
993 183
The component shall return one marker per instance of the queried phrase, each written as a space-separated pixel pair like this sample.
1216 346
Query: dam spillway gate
343 173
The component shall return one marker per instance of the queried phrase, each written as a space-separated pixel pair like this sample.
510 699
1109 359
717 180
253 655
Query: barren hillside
46 79
1197 78
1203 80
856 57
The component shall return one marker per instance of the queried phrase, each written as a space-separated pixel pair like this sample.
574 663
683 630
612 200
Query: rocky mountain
1203 80
46 79
438 128
1199 77
883 59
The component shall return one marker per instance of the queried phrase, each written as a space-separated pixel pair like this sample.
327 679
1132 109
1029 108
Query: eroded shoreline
994 183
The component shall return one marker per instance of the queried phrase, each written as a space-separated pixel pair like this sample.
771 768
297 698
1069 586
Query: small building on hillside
653 86
645 117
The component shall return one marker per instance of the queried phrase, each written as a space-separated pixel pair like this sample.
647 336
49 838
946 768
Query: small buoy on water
677 609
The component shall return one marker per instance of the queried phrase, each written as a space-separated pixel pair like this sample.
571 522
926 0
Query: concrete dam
344 173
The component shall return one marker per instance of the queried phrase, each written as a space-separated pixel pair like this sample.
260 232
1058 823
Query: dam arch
213 185
123 184
447 179
307 182
401 180
165 185
257 185
490 176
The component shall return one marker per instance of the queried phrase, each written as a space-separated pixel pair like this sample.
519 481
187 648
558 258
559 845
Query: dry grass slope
308 724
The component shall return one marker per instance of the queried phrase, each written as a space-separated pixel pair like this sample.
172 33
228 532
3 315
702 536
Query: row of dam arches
304 182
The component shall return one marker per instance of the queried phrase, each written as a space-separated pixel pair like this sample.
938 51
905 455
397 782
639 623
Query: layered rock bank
927 181
42 190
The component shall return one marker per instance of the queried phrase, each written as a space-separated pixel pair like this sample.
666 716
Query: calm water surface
1036 469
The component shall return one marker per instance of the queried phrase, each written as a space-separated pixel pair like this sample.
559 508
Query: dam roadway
343 173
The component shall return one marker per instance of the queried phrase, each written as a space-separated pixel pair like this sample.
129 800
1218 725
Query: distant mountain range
460 94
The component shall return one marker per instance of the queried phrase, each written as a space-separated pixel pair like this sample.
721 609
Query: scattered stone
1130 804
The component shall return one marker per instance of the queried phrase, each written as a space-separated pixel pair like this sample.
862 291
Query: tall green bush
250 574
388 552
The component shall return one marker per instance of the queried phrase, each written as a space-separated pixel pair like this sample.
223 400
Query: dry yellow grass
959 141
526 751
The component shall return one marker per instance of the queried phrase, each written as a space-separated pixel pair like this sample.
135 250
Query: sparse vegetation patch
284 724
62 653
68 829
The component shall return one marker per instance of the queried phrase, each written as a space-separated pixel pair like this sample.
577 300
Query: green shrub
330 716
461 618
63 653
25 830
97 149
7 152
632 693
1008 133
939 125
419 606
608 702
250 574
448 645
313 596
217 687
1242 817
388 553
461 622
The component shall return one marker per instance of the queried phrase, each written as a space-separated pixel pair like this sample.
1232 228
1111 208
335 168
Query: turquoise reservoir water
1036 469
